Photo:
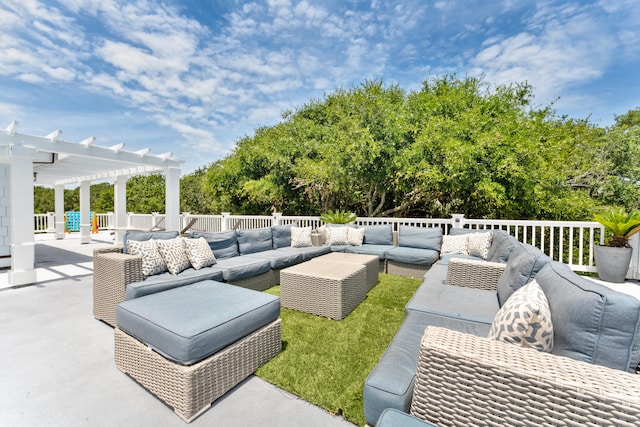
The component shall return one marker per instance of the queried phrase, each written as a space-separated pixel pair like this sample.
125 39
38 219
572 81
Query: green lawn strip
325 361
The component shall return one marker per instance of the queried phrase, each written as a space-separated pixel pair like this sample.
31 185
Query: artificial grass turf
325 361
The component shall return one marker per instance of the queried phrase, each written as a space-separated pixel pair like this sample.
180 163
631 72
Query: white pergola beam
13 127
54 136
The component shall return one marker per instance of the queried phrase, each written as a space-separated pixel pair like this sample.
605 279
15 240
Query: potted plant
612 259
338 217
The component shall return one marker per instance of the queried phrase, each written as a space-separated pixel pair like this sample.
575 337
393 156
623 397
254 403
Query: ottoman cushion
189 323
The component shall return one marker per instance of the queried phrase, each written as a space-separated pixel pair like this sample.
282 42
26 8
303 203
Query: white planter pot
612 263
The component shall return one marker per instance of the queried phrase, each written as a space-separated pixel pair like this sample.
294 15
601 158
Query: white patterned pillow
355 236
455 244
301 237
338 235
152 262
525 319
479 244
199 252
173 253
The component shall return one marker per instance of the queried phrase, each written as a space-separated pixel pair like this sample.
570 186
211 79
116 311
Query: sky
193 77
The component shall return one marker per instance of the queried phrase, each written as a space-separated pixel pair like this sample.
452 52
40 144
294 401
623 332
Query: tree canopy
452 146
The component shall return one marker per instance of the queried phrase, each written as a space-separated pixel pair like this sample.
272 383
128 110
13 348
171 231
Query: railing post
276 219
130 220
154 220
111 220
457 220
225 221
634 242
185 220
51 222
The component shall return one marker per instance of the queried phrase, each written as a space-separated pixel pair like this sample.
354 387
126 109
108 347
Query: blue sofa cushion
367 249
224 244
420 237
279 258
520 270
456 302
281 236
390 383
241 267
412 255
591 322
164 281
255 240
378 235
309 252
501 246
142 236
189 323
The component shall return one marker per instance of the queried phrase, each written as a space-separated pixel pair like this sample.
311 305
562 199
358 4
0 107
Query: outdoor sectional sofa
251 259
441 367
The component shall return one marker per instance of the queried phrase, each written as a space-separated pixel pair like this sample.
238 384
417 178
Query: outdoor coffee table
324 288
371 263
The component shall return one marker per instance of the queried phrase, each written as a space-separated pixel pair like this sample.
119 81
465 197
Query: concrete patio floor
57 364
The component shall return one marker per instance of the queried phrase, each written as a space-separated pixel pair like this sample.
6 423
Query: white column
172 199
22 226
120 206
85 218
59 208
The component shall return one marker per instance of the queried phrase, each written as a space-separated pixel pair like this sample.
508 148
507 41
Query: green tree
146 194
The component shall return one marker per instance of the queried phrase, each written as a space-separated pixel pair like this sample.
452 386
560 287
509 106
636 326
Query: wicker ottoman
371 263
192 344
328 289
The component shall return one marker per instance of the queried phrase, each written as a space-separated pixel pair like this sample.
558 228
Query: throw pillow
338 235
300 237
355 236
199 252
455 244
152 262
173 254
479 244
525 319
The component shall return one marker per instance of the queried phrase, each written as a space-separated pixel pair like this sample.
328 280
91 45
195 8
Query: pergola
51 161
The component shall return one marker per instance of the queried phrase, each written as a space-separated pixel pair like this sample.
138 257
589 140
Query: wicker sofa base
190 390
259 282
405 269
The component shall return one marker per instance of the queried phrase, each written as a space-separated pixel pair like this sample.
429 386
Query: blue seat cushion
591 322
420 237
241 267
190 323
281 236
223 244
279 258
255 240
411 255
390 384
378 235
146 235
162 282
309 252
367 249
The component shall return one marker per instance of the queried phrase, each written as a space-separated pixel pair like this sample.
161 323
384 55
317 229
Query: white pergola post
120 207
172 199
22 227
85 218
59 209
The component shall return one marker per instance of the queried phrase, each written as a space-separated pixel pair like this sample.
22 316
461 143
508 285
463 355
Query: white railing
570 242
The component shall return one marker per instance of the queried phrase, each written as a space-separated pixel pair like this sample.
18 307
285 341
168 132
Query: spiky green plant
338 217
621 224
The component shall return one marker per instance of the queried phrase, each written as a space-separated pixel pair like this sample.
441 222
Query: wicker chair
463 379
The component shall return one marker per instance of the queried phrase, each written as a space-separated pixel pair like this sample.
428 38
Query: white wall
5 217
